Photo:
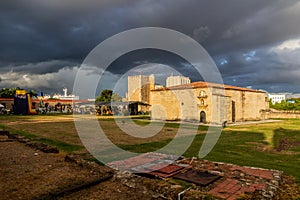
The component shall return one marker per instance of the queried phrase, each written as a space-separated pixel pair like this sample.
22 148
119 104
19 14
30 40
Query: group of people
56 108
111 110
3 110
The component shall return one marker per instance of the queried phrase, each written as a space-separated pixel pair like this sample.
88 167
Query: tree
116 98
285 105
32 93
105 96
10 92
108 96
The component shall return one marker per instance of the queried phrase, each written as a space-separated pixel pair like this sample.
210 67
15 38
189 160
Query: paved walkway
231 124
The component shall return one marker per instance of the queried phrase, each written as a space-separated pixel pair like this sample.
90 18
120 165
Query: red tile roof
207 84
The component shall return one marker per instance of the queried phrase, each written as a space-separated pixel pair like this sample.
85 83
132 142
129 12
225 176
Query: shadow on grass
286 140
63 146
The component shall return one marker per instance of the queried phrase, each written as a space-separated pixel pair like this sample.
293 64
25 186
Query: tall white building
277 97
177 80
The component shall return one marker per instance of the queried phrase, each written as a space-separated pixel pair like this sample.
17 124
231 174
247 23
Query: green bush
284 105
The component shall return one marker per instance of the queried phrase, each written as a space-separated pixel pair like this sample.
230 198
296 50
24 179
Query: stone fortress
197 101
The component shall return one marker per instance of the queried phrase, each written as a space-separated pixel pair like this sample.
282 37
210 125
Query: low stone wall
284 114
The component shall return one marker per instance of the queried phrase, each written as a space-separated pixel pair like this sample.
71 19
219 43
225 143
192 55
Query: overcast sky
254 43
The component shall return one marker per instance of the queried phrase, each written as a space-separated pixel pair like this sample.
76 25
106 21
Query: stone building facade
208 103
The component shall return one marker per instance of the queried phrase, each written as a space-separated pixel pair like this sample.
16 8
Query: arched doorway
202 117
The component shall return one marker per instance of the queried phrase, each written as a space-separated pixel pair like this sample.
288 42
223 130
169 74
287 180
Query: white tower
65 90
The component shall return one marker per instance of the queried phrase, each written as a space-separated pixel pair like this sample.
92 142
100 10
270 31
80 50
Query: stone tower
139 88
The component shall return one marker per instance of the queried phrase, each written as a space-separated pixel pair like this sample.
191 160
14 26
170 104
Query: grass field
269 145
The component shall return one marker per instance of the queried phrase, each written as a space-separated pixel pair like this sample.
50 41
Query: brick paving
231 188
143 162
267 174
234 187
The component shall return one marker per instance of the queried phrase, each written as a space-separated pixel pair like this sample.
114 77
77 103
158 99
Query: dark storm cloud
39 67
69 29
44 37
268 69
148 56
39 30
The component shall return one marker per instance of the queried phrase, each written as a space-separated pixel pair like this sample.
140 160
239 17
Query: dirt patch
286 144
27 173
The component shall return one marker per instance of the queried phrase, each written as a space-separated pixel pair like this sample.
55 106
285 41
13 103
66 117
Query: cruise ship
65 96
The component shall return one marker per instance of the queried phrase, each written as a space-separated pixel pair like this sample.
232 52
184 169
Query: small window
202 93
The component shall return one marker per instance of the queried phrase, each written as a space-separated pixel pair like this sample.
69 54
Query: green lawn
269 145
240 146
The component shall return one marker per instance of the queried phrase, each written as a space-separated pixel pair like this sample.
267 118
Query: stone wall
248 105
283 114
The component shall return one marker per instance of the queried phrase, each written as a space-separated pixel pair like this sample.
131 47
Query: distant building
276 97
293 96
46 96
291 101
158 87
177 80
139 88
